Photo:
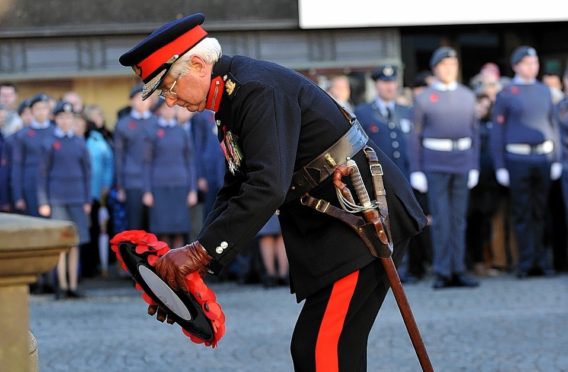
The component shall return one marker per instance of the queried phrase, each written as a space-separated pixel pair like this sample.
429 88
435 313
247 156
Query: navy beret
138 88
63 106
522 52
152 58
440 54
385 73
23 105
41 97
159 103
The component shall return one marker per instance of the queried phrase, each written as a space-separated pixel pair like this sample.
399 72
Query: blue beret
440 54
152 58
385 73
522 52
23 105
63 106
41 97
138 88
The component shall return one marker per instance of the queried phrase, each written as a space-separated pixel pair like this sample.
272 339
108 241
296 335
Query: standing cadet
64 191
526 155
169 177
388 124
208 150
272 122
561 115
26 151
129 138
444 161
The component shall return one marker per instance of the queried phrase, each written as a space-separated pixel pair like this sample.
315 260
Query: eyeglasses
170 92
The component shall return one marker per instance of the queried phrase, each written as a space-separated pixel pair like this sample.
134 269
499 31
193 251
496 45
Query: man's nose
171 101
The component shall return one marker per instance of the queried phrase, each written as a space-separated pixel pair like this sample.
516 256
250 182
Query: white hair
208 49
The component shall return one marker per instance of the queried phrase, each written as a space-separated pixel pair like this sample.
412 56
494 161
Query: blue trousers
529 185
447 198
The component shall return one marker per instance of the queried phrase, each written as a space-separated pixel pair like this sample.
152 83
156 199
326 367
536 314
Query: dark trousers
136 212
448 197
529 186
333 327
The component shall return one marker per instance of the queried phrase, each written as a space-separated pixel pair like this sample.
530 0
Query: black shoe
284 281
463 280
60 294
441 281
270 281
409 279
522 274
74 294
549 272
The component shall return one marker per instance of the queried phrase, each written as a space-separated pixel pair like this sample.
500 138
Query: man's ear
198 65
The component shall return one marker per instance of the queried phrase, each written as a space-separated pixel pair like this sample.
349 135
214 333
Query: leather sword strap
380 191
365 230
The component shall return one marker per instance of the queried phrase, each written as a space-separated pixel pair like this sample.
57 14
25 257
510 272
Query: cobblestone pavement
505 325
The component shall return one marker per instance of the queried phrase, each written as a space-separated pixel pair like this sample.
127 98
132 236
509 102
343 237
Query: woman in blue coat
169 177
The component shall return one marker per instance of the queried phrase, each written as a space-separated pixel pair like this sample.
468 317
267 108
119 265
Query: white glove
472 178
502 176
555 171
418 181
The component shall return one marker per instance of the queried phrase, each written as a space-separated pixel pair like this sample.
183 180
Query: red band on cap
162 55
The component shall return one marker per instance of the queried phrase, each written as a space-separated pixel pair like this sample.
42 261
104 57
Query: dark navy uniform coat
282 121
390 134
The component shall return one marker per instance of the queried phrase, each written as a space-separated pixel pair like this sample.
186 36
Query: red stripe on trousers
327 344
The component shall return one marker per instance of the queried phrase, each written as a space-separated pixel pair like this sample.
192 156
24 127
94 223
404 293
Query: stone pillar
29 246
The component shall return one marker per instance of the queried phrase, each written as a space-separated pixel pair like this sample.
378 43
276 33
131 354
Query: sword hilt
358 184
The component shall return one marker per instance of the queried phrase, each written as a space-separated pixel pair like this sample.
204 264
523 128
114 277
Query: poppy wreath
151 249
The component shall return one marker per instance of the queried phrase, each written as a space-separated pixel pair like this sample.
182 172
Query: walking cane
371 215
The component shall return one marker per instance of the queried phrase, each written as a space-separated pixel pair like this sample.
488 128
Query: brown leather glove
177 263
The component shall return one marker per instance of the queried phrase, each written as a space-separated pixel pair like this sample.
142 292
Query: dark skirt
272 227
76 214
170 213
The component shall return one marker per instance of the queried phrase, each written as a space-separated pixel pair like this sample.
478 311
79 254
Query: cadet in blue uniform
526 155
26 151
386 122
444 161
209 155
129 137
272 122
169 177
561 115
4 169
64 190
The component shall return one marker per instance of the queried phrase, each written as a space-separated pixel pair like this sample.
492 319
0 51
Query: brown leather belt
319 169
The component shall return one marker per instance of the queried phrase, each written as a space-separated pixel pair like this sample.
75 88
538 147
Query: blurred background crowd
154 167
78 143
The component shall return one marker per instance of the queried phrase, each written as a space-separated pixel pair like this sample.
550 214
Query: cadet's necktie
389 113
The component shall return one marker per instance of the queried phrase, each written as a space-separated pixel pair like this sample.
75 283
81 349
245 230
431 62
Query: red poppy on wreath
131 125
515 89
57 145
434 98
161 133
31 133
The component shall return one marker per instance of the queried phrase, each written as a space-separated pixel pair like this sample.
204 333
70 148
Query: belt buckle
455 145
322 205
376 169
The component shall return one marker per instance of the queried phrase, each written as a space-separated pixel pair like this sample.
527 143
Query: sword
371 215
